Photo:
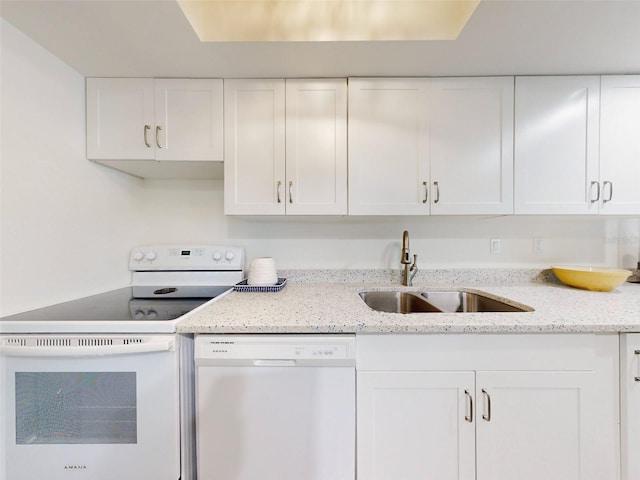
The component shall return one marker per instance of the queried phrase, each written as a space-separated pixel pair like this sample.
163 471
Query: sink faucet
409 270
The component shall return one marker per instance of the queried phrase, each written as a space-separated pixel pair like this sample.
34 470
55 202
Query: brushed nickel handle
636 352
158 129
487 416
426 192
278 191
437 199
469 417
597 184
290 191
604 185
144 134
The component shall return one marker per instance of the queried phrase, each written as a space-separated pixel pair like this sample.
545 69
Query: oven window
75 407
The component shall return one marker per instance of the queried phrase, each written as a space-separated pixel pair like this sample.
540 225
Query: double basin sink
458 301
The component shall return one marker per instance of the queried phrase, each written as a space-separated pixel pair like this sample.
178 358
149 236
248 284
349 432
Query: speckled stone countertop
328 302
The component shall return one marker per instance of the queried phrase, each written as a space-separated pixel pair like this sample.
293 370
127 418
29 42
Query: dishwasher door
275 407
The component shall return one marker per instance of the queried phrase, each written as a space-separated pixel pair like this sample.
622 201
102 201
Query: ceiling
152 38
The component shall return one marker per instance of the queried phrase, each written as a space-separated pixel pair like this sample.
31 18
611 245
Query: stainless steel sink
461 302
397 302
436 302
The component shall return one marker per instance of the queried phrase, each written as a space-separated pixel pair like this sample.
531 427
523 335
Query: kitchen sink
436 302
397 302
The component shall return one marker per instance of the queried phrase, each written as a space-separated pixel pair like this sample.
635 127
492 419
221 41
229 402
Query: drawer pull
469 416
604 185
144 134
487 416
597 184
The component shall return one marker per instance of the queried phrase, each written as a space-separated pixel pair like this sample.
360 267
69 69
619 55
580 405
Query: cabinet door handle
290 191
278 185
604 185
487 416
636 352
437 199
426 192
144 134
597 184
469 416
158 128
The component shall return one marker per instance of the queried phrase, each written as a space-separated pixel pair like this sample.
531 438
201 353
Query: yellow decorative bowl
591 278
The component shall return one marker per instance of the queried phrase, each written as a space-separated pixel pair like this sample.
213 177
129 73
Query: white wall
193 211
66 224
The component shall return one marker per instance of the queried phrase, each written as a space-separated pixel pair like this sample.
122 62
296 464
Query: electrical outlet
537 245
495 246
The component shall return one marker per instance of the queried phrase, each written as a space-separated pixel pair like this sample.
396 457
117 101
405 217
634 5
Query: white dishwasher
275 407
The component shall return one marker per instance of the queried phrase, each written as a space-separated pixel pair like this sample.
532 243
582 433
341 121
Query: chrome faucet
409 270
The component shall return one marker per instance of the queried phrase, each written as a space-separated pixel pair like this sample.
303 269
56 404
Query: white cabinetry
472 145
388 146
630 404
131 122
440 146
285 147
495 407
620 145
556 145
412 425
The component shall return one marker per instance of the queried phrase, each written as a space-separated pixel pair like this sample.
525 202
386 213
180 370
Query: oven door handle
100 351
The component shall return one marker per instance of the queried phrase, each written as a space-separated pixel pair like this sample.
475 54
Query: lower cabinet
415 425
630 403
492 407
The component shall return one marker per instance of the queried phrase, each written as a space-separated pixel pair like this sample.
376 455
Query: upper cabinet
388 146
421 146
620 145
472 146
285 147
556 145
133 121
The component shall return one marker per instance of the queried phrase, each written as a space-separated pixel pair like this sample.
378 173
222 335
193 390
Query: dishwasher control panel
275 350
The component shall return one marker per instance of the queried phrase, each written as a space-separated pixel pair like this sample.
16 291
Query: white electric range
102 387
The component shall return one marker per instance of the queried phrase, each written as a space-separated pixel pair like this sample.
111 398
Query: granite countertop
326 304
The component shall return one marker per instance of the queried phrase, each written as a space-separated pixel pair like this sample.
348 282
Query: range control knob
229 255
217 256
137 256
150 256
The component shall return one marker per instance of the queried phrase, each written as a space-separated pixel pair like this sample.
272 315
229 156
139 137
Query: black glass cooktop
116 305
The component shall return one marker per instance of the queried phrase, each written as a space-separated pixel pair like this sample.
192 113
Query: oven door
92 407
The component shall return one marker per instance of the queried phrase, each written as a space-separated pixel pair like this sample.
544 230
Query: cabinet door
388 146
472 145
316 131
415 425
120 118
188 119
620 145
556 145
536 425
630 405
254 167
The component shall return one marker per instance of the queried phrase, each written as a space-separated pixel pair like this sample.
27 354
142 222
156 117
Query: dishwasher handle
274 363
